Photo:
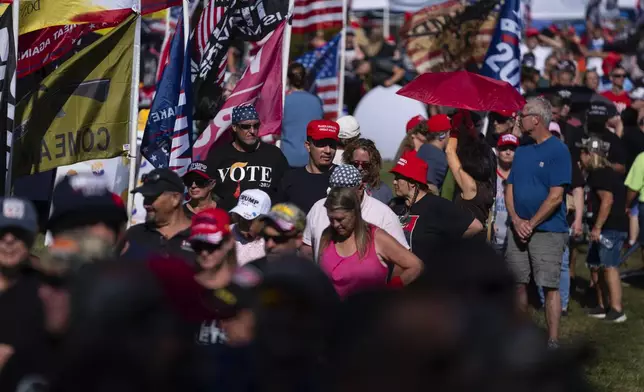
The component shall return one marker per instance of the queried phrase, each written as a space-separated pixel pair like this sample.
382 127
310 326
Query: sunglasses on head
247 127
361 164
150 178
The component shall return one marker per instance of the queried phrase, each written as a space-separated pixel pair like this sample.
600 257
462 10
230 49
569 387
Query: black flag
7 91
246 20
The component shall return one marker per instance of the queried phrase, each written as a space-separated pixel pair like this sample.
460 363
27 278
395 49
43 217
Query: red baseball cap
323 129
411 124
532 32
439 123
508 140
411 167
504 113
211 225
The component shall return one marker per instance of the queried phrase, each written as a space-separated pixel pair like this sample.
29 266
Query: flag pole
8 139
342 49
286 49
134 109
186 25
386 22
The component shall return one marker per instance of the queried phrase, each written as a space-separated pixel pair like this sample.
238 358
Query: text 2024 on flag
503 59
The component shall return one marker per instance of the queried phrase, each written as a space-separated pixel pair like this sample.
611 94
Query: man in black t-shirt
246 163
303 186
596 118
166 228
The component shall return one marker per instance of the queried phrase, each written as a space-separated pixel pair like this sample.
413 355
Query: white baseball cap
349 127
252 204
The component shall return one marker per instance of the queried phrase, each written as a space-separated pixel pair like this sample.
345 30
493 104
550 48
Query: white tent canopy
393 5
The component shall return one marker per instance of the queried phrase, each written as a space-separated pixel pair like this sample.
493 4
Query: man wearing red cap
429 220
303 186
433 152
532 46
617 93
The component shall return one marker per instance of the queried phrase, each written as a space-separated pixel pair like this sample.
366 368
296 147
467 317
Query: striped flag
310 16
322 66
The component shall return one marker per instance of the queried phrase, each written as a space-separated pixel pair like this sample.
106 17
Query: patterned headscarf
244 113
345 176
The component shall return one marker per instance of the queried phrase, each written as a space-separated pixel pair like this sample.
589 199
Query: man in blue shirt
433 152
534 197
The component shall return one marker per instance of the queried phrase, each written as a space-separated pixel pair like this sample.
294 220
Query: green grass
618 363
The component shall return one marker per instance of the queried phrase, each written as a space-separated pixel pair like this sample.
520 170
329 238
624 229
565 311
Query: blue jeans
564 281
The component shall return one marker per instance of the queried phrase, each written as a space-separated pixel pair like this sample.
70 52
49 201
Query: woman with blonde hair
357 255
364 156
606 205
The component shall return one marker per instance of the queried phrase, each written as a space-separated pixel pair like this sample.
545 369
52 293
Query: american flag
322 66
207 24
310 16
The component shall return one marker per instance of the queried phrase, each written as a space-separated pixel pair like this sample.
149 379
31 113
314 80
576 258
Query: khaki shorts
540 256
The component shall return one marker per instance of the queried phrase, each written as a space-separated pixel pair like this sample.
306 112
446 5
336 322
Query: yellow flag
81 110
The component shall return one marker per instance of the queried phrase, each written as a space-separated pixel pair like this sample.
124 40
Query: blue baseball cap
18 213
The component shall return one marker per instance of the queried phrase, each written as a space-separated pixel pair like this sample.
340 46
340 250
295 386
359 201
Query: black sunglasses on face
360 164
247 127
200 247
200 182
280 239
619 75
507 148
324 143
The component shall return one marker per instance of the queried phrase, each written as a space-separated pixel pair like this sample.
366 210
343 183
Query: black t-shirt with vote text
433 220
237 171
606 179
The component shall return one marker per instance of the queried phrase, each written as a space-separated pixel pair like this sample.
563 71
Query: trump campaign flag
503 59
322 67
167 138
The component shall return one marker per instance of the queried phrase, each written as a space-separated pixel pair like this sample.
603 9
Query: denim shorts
601 256
640 219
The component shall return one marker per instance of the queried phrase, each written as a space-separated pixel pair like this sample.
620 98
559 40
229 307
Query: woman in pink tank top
354 254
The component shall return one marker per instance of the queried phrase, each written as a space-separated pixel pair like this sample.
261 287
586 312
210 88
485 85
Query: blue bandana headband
244 113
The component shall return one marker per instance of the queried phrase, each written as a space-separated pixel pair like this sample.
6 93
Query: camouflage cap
286 217
70 251
594 144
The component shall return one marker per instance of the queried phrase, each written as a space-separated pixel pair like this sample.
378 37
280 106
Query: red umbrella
463 90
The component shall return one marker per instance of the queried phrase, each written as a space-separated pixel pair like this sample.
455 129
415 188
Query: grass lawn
618 364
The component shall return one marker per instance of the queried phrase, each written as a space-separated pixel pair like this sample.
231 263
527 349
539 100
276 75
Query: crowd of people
299 269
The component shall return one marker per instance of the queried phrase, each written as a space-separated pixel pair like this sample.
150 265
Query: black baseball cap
82 200
600 111
198 168
159 181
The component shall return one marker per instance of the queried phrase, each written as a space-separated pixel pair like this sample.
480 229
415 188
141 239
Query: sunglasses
200 182
619 75
361 164
247 127
325 143
200 247
151 178
507 148
280 239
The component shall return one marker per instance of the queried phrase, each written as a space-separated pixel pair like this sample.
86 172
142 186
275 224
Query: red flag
260 85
